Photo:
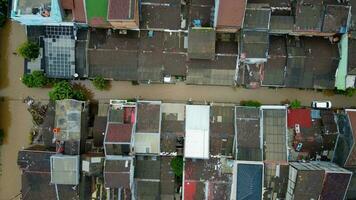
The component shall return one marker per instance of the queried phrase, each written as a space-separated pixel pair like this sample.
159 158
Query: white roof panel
197 132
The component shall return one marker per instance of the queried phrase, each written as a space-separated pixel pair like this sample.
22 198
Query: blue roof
249 181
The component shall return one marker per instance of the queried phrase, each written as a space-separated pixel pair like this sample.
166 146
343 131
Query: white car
321 104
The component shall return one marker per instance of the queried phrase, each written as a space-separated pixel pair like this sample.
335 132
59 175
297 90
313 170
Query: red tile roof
299 116
118 133
79 11
231 13
120 9
189 190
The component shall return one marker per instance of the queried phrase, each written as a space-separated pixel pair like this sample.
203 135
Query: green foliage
177 165
295 104
35 80
100 83
348 92
29 50
250 103
64 90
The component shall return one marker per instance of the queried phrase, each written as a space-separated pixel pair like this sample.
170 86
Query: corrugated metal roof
197 131
249 181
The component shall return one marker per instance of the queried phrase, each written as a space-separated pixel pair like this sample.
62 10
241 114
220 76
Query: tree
177 165
35 80
64 90
250 103
295 104
29 50
3 12
100 83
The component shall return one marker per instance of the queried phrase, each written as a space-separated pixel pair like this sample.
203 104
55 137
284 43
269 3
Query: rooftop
117 173
148 117
97 12
201 43
173 124
118 133
274 134
249 181
221 130
121 9
254 44
248 137
197 131
211 177
65 169
68 119
230 14
351 161
257 17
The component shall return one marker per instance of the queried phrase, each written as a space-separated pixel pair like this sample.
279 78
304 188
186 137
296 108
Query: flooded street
16 121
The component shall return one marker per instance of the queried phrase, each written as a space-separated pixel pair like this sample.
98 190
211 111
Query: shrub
100 83
64 90
35 80
29 50
250 103
177 165
295 104
348 92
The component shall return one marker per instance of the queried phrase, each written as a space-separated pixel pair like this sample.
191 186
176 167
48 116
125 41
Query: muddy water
14 118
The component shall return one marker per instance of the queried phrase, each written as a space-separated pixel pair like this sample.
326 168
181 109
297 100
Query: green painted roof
340 82
97 12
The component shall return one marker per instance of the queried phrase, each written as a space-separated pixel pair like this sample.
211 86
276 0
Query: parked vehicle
321 104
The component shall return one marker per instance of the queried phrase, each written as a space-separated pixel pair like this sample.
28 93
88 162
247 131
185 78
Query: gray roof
117 173
201 43
281 24
351 58
336 18
65 169
257 17
308 17
59 46
254 44
274 134
68 119
247 127
210 76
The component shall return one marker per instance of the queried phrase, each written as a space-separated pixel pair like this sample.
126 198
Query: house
254 37
118 177
172 128
317 180
38 12
222 130
201 43
320 18
147 177
97 13
248 180
351 61
229 15
35 163
65 169
248 134
119 133
254 45
207 179
313 133
123 14
345 150
274 130
148 128
70 125
197 138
